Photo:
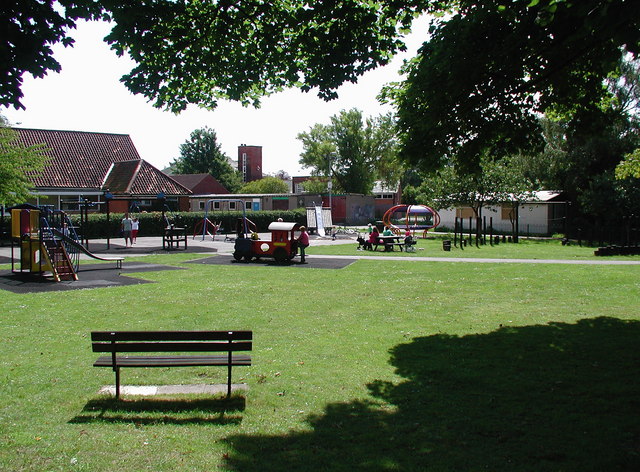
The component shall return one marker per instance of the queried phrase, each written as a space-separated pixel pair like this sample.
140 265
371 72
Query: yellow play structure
40 253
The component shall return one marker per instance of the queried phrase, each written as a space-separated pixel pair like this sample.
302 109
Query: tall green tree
19 165
202 154
584 149
351 150
497 182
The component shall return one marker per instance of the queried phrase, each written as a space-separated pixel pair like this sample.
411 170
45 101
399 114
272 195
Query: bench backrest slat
171 335
139 346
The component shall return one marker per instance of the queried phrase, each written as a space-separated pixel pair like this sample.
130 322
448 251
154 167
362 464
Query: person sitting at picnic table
374 236
387 232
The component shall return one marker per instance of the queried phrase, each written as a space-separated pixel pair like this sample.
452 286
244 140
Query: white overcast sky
88 96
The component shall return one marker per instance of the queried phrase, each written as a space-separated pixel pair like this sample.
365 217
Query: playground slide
81 248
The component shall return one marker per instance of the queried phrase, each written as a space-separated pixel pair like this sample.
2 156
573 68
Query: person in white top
135 226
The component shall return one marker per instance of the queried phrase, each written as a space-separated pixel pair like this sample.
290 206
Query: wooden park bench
171 343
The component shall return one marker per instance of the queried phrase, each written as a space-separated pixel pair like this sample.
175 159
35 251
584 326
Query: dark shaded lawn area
89 276
557 397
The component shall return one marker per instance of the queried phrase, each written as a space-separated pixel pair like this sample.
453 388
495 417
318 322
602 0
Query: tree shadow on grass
558 397
163 411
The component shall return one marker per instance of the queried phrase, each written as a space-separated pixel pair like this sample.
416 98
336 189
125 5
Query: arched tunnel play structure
415 218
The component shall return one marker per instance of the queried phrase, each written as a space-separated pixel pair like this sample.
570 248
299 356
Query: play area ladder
61 265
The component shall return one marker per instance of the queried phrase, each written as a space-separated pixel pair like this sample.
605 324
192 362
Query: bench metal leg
229 381
117 370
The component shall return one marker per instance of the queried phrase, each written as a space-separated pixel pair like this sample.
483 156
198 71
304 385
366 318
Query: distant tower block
250 162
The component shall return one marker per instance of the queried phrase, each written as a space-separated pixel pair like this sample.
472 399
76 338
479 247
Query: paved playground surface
108 275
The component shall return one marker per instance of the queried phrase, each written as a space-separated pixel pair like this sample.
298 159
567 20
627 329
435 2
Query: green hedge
151 224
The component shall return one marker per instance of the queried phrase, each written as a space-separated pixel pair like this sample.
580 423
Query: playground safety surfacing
108 275
90 276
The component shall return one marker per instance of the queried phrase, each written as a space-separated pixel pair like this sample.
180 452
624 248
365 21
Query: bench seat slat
171 335
173 361
154 346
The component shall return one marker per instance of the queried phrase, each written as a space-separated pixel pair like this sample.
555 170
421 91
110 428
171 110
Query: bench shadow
535 398
221 411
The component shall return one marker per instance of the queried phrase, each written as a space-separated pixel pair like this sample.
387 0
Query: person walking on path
135 226
303 242
126 227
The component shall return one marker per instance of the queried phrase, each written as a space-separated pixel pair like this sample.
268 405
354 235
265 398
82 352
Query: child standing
303 242
135 226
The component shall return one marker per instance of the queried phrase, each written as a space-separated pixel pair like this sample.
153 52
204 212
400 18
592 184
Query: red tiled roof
87 160
200 183
140 178
189 180
78 159
120 176
150 178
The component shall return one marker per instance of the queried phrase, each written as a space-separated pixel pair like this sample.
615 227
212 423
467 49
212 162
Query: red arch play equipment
414 218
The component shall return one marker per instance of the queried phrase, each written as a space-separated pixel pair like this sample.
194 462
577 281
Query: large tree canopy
199 52
29 29
480 83
487 70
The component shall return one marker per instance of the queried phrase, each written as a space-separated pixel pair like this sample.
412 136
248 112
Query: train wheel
237 256
247 258
280 255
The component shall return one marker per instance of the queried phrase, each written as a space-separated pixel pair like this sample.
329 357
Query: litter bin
446 245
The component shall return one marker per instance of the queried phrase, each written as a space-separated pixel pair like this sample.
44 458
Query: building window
232 205
201 205
507 212
216 205
464 212
244 166
247 205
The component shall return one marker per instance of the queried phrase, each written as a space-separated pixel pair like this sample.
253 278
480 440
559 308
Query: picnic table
173 236
389 243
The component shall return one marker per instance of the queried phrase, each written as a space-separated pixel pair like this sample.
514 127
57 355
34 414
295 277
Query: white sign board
319 221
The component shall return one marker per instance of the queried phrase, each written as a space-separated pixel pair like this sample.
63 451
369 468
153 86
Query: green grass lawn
383 365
